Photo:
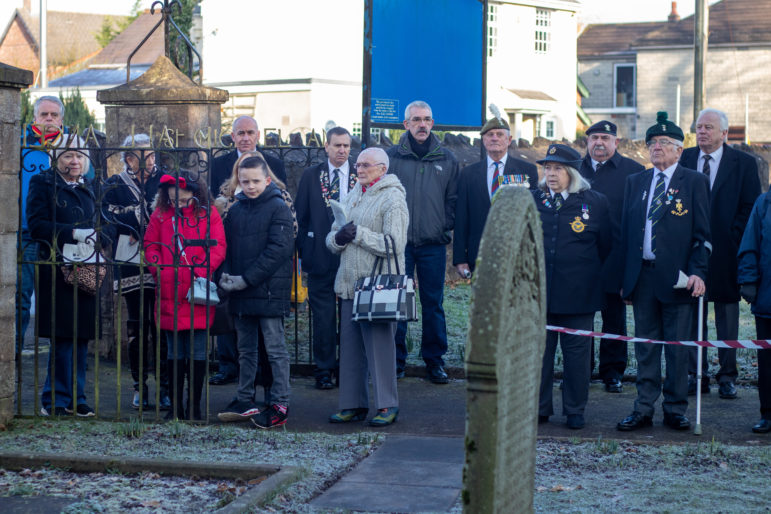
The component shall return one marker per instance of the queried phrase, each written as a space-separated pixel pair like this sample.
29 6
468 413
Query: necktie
657 208
599 165
706 169
558 200
496 174
334 185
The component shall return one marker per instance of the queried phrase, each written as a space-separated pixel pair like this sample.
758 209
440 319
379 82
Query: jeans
429 261
29 255
60 362
272 329
227 353
183 344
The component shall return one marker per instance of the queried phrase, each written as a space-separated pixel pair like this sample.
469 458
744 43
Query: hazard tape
750 344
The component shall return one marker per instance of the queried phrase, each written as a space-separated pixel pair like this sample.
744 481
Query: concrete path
406 474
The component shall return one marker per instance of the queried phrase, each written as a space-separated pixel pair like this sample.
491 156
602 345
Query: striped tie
494 186
657 208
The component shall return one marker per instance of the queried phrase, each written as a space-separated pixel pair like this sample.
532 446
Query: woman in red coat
182 217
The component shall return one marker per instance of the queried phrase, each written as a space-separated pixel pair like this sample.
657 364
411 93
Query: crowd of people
614 234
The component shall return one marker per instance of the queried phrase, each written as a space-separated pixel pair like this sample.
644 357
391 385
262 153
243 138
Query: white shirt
564 194
491 171
597 163
714 163
647 252
342 176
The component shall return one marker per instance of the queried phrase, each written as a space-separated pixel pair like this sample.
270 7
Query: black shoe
727 390
613 386
575 421
692 385
437 375
543 419
221 379
762 427
324 382
238 411
57 411
273 416
634 421
677 421
399 373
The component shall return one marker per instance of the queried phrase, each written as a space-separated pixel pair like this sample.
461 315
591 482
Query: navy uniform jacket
222 168
314 220
682 236
574 249
473 204
733 194
610 181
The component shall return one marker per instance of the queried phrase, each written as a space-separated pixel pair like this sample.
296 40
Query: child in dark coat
258 276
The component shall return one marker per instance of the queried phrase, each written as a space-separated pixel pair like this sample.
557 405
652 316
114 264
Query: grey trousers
726 328
248 328
366 349
575 365
667 322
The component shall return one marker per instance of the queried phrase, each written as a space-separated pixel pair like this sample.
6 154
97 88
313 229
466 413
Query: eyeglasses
427 119
366 165
661 142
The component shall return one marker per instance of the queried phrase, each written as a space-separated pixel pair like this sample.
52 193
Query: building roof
528 94
613 38
119 49
71 36
99 77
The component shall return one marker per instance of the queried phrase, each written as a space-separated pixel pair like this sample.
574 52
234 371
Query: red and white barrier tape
751 344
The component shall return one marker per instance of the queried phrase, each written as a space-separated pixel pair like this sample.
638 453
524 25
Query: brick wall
17 49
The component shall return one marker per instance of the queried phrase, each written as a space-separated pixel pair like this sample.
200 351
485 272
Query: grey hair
136 140
420 104
242 118
379 154
52 99
720 114
577 182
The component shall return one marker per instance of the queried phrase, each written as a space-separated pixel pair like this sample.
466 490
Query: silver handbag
203 292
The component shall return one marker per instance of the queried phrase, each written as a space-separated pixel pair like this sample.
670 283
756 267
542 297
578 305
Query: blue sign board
431 50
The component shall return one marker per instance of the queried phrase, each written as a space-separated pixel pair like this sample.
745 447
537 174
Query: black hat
563 154
602 127
664 127
494 123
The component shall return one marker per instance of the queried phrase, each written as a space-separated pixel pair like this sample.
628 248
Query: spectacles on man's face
427 119
366 165
663 143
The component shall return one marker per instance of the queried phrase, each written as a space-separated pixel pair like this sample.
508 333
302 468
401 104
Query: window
542 31
492 30
623 78
550 130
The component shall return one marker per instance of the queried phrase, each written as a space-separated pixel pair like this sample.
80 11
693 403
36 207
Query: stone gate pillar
504 351
12 81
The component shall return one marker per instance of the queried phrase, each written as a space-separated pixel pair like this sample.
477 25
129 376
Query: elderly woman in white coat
376 208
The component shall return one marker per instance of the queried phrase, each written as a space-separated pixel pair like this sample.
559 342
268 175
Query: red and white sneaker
274 416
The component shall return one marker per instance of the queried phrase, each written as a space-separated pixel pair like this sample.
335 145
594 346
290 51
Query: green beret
494 123
664 127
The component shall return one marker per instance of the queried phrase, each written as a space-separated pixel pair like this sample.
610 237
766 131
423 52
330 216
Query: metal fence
69 315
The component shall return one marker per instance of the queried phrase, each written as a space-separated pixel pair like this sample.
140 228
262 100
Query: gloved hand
232 283
749 292
84 235
346 234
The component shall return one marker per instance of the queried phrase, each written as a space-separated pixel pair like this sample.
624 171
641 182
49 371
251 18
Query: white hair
720 114
577 182
378 154
419 104
136 140
69 143
52 99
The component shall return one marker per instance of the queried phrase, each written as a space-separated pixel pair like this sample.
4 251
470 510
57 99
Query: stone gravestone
503 358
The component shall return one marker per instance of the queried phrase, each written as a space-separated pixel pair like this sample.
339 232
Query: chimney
28 6
673 16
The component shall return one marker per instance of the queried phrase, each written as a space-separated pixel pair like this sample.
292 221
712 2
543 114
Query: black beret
562 154
602 127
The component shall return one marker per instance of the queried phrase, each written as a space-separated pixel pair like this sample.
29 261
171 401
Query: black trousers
323 303
613 354
726 327
146 345
763 327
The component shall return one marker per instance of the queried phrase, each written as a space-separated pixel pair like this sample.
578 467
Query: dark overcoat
222 169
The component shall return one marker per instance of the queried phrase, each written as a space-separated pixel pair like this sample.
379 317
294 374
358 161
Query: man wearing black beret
666 242
607 170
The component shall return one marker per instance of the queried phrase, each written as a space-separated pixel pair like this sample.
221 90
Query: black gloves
749 292
346 234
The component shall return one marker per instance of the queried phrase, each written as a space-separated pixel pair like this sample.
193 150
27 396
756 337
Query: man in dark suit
245 136
331 180
607 170
476 186
666 244
734 184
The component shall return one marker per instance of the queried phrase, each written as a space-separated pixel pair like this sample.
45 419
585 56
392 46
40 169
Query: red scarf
364 188
49 136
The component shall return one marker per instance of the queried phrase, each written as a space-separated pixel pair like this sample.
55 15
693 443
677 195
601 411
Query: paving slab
34 504
406 474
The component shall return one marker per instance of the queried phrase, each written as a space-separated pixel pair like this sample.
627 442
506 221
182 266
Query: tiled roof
119 49
98 77
609 38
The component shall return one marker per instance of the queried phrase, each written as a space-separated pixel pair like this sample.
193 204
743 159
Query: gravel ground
571 476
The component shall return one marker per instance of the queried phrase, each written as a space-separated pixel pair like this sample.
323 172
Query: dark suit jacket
610 181
473 205
314 220
222 168
682 241
733 194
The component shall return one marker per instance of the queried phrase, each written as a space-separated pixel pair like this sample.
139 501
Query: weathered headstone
12 81
503 358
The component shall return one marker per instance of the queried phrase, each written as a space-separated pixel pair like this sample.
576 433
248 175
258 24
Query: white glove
232 282
84 235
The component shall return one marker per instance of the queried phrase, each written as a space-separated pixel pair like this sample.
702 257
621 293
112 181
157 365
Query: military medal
577 225
679 211
585 211
645 195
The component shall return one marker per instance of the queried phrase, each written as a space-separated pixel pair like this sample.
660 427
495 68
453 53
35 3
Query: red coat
160 249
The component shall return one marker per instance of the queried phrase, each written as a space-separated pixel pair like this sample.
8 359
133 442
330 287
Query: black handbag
385 297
